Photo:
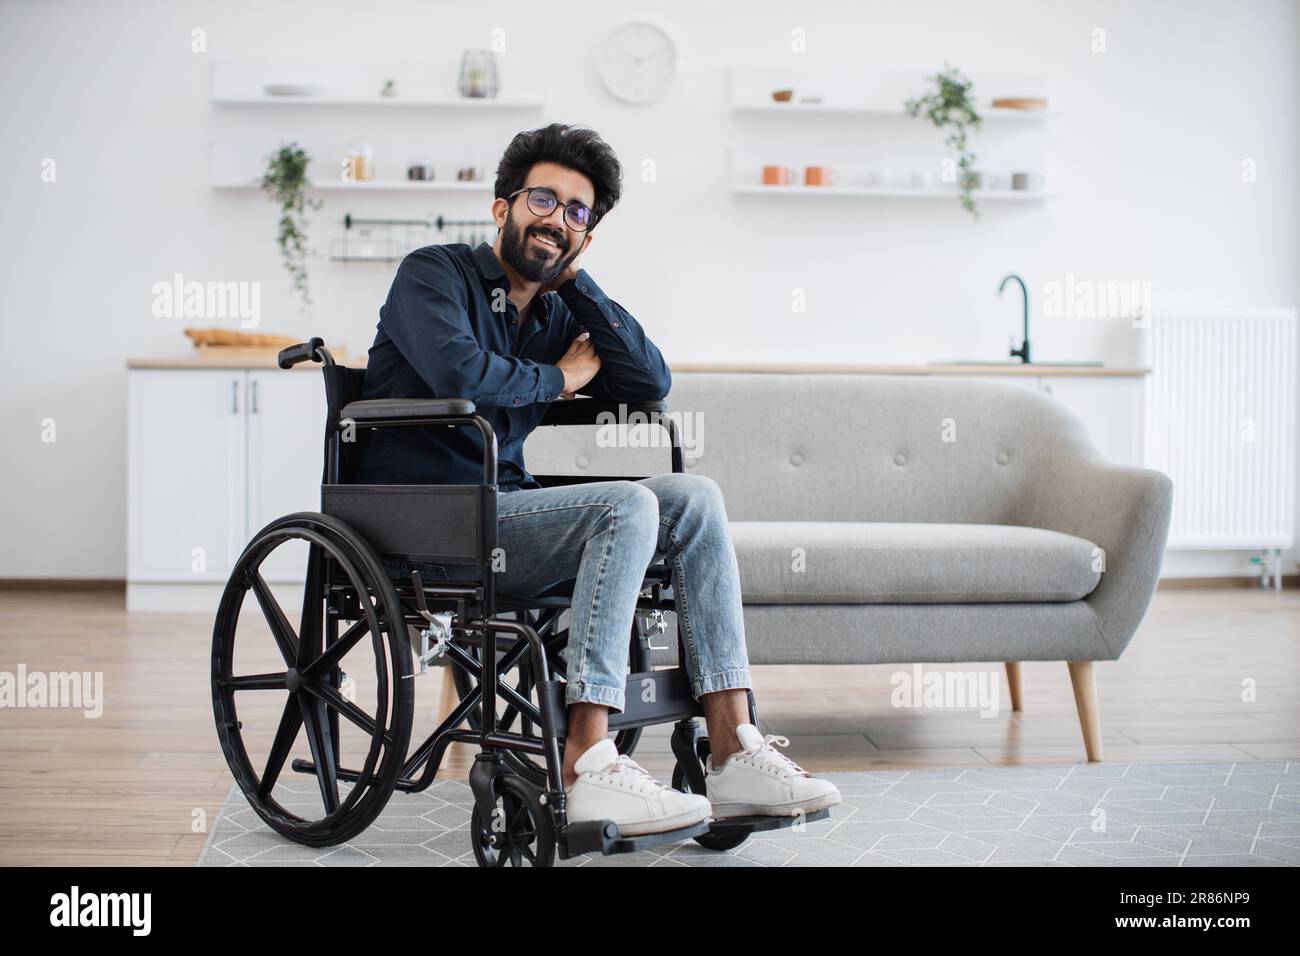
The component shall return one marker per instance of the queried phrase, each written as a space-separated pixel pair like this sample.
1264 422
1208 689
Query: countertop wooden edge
689 367
220 363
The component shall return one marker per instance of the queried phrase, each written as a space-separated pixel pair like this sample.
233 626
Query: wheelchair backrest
343 385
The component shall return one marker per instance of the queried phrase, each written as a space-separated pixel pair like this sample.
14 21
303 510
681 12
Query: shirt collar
492 271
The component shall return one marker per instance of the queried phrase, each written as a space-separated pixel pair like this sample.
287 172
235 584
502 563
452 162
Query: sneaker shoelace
626 772
773 758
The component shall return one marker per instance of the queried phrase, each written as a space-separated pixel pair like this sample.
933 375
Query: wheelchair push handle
312 351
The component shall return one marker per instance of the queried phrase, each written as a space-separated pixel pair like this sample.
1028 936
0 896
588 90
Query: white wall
1148 158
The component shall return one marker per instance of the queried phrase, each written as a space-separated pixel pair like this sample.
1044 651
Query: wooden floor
126 788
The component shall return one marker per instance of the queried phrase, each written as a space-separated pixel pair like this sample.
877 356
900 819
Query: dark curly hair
574 147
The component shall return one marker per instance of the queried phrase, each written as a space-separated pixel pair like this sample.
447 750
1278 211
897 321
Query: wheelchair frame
358 524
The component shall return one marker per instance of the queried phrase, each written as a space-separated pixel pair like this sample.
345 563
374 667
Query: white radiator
1221 423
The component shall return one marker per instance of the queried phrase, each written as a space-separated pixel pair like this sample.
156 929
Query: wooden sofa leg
1085 700
1013 683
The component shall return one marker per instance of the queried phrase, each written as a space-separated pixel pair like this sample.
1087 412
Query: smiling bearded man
512 327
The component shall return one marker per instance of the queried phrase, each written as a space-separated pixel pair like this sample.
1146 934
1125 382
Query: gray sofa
892 519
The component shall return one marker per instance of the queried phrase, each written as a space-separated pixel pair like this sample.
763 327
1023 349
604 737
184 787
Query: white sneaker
612 786
761 781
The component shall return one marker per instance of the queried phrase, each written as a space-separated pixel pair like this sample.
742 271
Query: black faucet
1023 352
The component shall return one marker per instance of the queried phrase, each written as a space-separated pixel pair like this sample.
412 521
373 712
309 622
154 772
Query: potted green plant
286 182
949 106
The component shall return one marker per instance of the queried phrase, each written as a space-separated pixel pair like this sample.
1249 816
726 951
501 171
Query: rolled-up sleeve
632 367
427 318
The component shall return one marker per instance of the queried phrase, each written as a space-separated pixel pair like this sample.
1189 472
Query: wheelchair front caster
713 839
519 832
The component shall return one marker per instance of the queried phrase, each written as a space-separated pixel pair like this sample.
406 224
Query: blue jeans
603 535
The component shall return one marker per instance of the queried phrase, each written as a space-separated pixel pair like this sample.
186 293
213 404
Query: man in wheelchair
512 327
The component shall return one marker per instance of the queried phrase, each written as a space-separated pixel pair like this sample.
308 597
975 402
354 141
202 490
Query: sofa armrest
1122 509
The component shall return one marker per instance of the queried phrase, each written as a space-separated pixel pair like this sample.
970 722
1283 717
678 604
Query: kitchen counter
1034 369
230 361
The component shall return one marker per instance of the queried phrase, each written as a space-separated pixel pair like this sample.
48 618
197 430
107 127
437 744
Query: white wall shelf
334 106
379 185
875 90
486 104
432 83
1000 115
889 192
869 140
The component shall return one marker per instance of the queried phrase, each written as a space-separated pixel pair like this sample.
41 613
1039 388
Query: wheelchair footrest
757 823
602 836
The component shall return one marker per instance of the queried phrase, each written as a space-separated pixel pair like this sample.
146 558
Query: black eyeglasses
542 201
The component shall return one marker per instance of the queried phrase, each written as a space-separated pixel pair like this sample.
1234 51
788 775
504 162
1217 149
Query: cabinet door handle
234 397
254 396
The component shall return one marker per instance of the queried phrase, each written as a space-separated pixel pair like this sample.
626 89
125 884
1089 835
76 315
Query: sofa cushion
854 562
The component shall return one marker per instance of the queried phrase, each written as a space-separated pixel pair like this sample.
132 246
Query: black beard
530 264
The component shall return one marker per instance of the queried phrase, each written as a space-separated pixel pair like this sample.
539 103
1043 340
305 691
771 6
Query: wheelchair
508 671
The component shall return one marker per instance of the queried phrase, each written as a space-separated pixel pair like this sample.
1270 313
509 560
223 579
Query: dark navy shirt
440 337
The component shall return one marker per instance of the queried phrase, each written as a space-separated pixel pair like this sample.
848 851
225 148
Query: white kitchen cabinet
1112 409
184 474
286 427
213 456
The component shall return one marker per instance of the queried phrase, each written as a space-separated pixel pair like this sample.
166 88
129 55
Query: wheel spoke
281 629
316 718
338 650
521 812
336 701
311 632
255 682
290 724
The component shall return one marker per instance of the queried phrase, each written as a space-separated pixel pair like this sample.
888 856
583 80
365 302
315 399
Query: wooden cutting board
1020 103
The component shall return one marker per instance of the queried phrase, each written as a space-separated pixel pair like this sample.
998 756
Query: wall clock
637 62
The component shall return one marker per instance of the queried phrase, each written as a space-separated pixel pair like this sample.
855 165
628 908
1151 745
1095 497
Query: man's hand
579 364
569 273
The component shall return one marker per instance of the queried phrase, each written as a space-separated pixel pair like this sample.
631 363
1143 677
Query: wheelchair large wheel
519 833
521 679
280 693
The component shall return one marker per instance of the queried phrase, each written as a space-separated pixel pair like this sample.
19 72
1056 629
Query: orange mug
819 176
777 175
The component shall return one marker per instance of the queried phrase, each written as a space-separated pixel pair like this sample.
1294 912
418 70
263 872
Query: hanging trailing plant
950 107
286 182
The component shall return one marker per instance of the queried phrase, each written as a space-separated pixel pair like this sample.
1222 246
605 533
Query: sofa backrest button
900 459
1003 458
582 461
796 459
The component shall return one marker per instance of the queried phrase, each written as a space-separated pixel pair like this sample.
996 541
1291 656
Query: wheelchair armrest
389 409
584 411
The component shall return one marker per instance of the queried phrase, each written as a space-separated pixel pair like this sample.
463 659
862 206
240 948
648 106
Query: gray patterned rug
1173 814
